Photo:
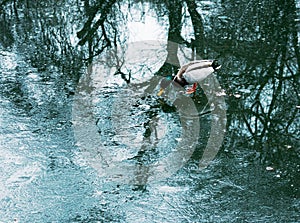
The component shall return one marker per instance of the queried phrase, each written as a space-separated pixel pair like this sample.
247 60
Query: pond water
85 138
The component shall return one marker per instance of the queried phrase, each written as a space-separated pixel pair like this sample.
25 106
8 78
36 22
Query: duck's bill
161 91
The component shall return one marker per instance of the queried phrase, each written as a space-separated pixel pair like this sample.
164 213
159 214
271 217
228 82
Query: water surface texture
85 138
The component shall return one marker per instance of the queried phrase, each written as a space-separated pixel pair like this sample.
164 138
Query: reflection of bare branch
123 75
88 30
4 2
105 35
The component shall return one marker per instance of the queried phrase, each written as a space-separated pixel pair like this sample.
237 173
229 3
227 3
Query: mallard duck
191 73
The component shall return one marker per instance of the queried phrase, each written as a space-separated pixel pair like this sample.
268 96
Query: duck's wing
198 70
199 64
181 71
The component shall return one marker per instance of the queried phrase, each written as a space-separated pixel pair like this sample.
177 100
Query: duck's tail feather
216 65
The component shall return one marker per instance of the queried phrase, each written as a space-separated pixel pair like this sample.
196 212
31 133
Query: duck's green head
165 82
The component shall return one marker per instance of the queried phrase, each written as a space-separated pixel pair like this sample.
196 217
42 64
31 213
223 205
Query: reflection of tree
6 37
41 31
174 38
90 31
263 39
198 27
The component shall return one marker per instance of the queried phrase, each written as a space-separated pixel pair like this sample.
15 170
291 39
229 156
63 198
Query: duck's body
196 71
192 73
